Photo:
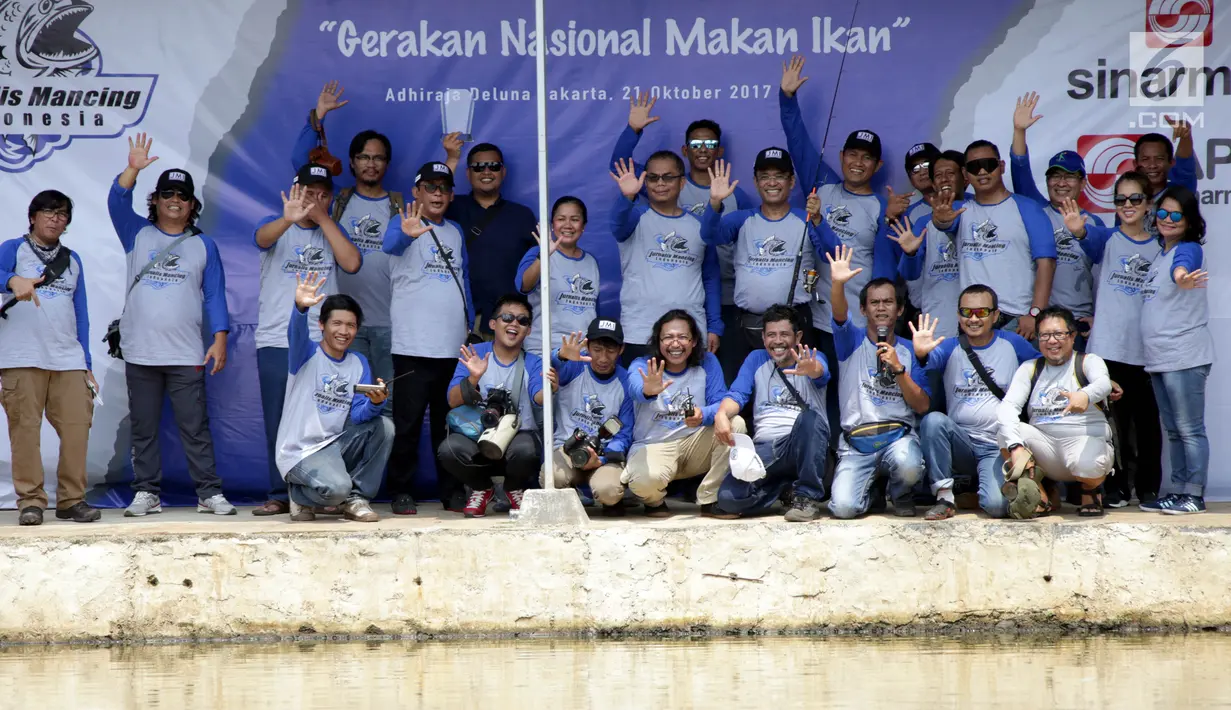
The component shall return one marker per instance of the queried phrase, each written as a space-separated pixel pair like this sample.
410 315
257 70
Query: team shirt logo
308 260
1049 404
53 289
438 266
881 389
1131 276
589 416
332 393
768 255
1149 288
671 252
367 233
164 273
985 241
972 389
781 397
677 406
1067 251
945 267
581 295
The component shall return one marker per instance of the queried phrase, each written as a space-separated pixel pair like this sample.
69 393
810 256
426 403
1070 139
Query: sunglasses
979 166
491 167
920 168
700 143
668 177
434 187
975 312
1164 214
523 321
1134 199
168 194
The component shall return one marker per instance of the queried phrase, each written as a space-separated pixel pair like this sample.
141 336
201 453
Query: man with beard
304 239
786 381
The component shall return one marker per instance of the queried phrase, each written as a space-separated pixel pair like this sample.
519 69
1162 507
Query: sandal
273 507
943 510
1093 509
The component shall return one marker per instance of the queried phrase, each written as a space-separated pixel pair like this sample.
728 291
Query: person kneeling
496 382
1068 438
332 442
787 382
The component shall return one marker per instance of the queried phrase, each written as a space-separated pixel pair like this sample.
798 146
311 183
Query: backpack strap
340 202
1079 370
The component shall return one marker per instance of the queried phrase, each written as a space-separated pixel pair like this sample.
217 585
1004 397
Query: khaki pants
604 480
26 393
652 467
1069 459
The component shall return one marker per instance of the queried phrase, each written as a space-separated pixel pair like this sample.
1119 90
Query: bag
320 154
396 202
52 270
465 420
476 229
973 357
791 388
112 338
871 438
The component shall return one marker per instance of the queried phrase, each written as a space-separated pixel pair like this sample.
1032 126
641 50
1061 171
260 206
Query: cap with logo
773 159
434 171
314 174
746 465
1068 161
921 153
867 140
176 179
605 329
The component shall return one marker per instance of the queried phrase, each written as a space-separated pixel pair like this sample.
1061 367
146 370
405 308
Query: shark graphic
985 231
972 377
1051 397
1064 240
580 284
335 385
837 216
680 403
944 249
366 227
1137 265
594 405
673 243
770 247
170 262
309 254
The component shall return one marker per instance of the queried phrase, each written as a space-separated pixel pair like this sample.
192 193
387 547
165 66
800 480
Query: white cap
745 464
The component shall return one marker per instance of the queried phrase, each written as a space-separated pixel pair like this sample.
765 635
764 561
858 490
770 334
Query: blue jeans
1181 402
902 461
376 344
798 458
349 467
273 367
950 451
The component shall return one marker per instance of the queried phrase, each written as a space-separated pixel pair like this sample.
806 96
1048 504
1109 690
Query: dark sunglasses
1134 199
979 166
523 321
168 194
491 167
1164 214
975 312
920 168
667 177
698 143
434 187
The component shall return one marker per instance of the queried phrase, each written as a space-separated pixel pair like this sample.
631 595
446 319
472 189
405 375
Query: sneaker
301 513
904 507
657 511
514 498
476 507
359 510
456 503
80 512
614 511
943 510
1185 505
1114 499
30 515
876 502
1158 504
803 509
1147 497
501 503
711 510
403 504
144 503
215 504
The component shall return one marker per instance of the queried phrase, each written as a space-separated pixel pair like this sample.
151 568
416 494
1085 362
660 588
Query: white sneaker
359 509
144 503
215 504
302 513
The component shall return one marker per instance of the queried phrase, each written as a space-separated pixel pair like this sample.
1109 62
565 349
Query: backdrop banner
224 89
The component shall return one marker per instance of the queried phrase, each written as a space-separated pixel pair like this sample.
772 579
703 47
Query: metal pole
540 68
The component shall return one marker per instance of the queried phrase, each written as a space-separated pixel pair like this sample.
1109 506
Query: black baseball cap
773 158
176 179
866 140
921 152
434 171
314 174
605 329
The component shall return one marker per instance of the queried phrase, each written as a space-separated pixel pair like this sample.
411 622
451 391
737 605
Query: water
745 673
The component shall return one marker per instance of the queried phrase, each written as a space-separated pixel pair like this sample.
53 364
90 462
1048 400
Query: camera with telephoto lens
578 446
500 423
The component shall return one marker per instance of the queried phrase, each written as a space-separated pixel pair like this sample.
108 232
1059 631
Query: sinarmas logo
52 87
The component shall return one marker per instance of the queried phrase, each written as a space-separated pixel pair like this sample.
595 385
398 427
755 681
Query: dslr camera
500 423
577 447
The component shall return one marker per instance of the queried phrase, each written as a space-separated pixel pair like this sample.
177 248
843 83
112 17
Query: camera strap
190 232
791 388
53 269
448 260
984 375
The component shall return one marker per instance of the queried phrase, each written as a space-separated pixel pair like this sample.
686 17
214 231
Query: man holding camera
332 442
594 415
499 383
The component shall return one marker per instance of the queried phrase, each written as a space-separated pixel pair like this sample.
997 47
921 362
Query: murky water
1103 672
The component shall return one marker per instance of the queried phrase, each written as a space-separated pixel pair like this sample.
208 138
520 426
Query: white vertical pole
540 69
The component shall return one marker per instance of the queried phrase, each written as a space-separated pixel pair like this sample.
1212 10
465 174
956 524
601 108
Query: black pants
1138 431
147 387
824 342
520 466
425 390
732 350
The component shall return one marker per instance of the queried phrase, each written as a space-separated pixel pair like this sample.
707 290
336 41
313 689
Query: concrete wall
503 578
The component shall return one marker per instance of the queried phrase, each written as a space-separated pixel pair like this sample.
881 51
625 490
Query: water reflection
1102 672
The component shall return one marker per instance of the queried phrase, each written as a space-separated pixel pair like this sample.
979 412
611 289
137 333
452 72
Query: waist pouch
871 438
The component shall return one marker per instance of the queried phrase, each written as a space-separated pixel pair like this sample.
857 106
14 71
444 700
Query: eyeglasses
493 166
676 338
54 214
523 321
1061 176
979 166
667 177
432 188
365 158
1164 214
1134 199
1055 336
920 167
975 312
699 143
771 177
168 194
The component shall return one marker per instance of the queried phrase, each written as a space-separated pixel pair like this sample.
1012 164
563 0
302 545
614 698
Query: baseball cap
921 152
176 179
605 329
867 140
314 174
773 158
745 464
434 171
1068 161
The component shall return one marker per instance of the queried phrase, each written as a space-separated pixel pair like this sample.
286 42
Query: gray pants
147 387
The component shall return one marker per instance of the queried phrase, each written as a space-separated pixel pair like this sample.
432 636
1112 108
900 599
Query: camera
577 447
498 403
500 423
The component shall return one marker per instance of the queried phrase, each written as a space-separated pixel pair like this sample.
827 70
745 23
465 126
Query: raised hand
475 364
639 107
791 80
924 337
297 206
898 204
571 346
1074 220
307 290
1180 128
329 99
1192 279
625 176
813 207
1079 402
904 235
139 152
452 143
840 268
554 379
1023 113
721 186
412 221
653 383
806 363
942 209
552 246
25 289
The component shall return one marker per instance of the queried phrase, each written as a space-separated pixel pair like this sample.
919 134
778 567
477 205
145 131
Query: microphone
882 335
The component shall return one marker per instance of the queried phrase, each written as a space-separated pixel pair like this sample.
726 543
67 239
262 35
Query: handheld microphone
882 335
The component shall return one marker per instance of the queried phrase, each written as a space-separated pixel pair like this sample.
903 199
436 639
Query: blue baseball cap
1068 161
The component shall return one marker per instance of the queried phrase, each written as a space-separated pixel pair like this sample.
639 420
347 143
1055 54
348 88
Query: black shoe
1114 499
904 507
80 512
30 515
876 502
404 504
614 511
657 511
1147 498
456 502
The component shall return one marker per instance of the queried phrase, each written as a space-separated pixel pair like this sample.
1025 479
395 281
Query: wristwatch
1034 311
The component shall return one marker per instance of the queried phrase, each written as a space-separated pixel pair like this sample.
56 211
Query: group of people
994 329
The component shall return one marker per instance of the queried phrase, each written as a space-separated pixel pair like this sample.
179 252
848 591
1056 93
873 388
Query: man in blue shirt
1166 165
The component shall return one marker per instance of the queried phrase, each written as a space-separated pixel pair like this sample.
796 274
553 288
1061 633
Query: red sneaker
476 507
515 499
